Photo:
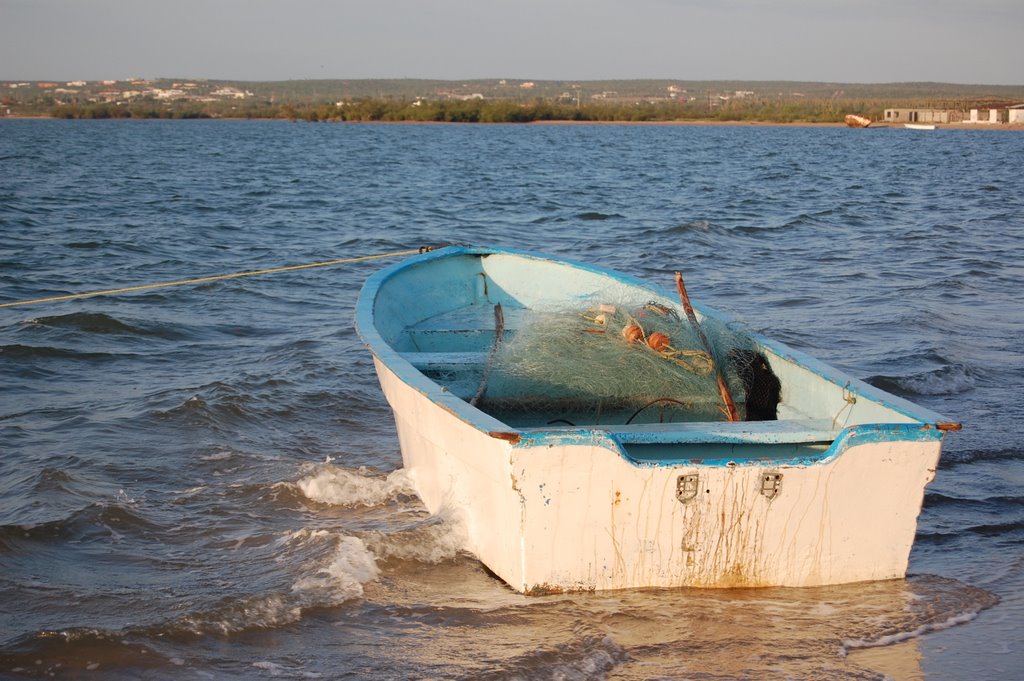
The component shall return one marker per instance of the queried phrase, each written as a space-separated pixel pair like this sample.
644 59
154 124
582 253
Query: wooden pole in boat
723 387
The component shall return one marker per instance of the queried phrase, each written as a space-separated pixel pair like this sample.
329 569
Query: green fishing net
623 362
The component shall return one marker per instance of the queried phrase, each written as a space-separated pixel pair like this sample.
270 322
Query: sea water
204 481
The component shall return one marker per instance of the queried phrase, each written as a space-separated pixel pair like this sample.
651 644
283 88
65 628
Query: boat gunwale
930 424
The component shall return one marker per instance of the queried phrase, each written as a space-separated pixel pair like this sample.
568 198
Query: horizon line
505 78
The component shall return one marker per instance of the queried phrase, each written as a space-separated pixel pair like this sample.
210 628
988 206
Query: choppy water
204 481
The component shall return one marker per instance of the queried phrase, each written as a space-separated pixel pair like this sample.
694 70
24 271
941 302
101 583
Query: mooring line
219 277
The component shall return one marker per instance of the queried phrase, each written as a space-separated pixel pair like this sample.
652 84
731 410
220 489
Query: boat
919 126
855 121
811 478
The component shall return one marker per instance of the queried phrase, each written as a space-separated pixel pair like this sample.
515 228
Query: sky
843 41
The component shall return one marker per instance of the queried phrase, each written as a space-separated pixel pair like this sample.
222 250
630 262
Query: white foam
438 540
271 668
304 535
331 484
342 577
890 639
337 574
268 611
275 669
218 456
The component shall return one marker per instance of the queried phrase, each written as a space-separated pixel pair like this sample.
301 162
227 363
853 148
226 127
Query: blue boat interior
444 315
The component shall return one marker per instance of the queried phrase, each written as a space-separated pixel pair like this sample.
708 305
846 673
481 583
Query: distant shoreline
694 122
788 124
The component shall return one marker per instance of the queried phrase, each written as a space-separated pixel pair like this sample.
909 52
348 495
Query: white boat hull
578 516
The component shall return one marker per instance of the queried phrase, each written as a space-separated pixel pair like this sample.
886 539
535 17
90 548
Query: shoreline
688 122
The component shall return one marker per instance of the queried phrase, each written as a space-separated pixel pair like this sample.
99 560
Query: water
204 481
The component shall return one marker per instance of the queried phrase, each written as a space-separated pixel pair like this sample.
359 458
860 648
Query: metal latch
771 484
686 487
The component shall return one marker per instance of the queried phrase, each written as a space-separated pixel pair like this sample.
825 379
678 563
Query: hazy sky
864 41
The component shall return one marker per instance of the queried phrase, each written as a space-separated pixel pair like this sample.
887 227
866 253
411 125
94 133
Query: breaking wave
437 539
433 539
340 578
934 604
329 484
330 569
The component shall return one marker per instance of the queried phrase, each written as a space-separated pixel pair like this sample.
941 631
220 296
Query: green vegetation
492 101
497 111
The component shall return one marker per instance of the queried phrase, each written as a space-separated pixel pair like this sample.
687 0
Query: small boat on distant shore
919 126
855 121
589 432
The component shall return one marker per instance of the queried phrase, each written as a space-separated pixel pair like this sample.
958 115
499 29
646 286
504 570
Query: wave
335 570
94 521
52 479
595 215
18 351
937 500
951 458
927 628
197 411
1002 531
341 578
329 484
953 379
332 570
580 659
431 540
89 322
80 652
103 324
936 537
693 227
230 616
255 400
438 539
997 529
816 220
219 403
697 226
933 604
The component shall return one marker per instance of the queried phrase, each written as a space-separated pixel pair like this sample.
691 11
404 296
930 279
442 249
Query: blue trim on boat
720 433
759 433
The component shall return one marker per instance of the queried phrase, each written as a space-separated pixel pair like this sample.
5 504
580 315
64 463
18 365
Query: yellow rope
850 398
219 277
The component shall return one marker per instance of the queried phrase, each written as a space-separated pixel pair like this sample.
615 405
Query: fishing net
629 363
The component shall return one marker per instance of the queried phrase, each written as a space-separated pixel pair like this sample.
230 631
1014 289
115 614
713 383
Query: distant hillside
517 89
510 100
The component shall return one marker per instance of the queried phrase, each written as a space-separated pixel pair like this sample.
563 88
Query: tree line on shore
486 111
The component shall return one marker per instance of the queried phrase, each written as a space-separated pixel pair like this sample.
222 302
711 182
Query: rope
218 277
850 399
